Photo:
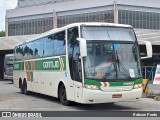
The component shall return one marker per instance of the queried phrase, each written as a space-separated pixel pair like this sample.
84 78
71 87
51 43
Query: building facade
34 17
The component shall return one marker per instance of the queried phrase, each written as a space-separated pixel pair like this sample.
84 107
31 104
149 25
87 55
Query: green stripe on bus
18 66
56 64
22 65
112 84
121 83
29 65
31 74
92 82
48 64
138 81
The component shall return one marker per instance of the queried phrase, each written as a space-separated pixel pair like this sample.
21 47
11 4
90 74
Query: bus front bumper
97 96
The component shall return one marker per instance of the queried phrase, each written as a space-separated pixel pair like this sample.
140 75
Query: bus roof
74 25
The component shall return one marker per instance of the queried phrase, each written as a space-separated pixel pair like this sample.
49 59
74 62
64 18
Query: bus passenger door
75 82
74 64
77 72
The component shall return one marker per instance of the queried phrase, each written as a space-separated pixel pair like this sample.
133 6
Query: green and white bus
82 62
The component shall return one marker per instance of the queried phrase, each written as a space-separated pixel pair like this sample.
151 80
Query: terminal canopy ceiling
148 35
8 43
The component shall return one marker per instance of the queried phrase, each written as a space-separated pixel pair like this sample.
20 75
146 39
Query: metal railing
148 72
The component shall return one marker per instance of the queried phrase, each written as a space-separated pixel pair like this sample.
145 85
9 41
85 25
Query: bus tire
26 92
63 96
21 87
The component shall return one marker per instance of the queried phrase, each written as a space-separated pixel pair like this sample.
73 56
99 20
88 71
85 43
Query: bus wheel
63 96
25 88
21 88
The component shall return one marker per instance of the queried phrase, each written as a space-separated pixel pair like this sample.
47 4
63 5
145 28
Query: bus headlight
93 87
137 86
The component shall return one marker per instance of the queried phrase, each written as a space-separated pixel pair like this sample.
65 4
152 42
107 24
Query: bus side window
48 46
39 48
59 43
74 53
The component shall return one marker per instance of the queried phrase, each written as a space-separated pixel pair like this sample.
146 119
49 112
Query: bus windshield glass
112 54
108 33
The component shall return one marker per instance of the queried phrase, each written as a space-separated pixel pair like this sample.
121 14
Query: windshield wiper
121 65
117 58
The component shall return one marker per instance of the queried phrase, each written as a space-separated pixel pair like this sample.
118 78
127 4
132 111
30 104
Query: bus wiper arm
117 58
119 62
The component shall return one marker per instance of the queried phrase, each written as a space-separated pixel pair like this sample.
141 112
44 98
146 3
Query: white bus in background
86 63
8 67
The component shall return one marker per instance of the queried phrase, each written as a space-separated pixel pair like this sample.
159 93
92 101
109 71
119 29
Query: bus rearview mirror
83 46
148 49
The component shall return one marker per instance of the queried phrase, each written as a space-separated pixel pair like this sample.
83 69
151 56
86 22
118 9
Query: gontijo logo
51 64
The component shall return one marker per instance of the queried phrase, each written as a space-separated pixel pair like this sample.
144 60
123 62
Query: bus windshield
109 58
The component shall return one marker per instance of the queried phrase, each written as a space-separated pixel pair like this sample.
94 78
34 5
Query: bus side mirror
83 46
148 49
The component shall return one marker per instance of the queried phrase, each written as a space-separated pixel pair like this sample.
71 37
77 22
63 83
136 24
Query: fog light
137 86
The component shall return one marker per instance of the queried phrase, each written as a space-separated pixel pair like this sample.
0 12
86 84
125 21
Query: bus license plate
117 96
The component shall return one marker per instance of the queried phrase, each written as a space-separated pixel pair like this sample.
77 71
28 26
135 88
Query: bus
8 67
87 63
